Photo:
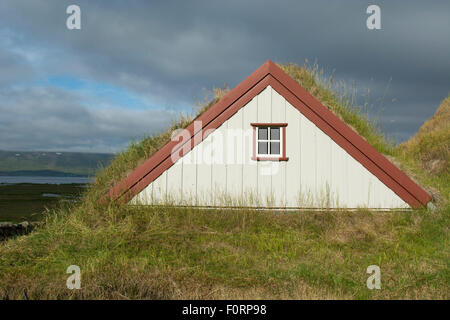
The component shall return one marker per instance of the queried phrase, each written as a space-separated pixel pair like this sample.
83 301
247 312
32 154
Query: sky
134 66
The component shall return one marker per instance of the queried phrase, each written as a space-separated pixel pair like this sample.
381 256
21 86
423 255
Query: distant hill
39 173
48 163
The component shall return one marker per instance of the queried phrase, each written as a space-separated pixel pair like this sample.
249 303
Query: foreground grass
181 253
167 253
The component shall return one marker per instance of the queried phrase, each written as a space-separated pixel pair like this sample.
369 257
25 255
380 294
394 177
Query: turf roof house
269 143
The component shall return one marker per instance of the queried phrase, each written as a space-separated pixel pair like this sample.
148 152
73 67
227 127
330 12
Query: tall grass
165 252
427 154
341 99
183 253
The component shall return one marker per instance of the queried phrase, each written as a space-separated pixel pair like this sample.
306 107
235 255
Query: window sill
270 158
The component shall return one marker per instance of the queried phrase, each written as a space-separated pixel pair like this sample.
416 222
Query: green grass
427 154
190 253
177 253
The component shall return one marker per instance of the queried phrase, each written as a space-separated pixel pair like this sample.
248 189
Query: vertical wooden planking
159 189
338 181
349 181
264 105
363 185
250 167
377 191
348 197
385 196
278 110
324 163
265 168
354 183
307 163
323 154
204 166
234 158
364 181
342 190
219 168
345 187
335 174
293 152
189 180
367 176
278 115
174 183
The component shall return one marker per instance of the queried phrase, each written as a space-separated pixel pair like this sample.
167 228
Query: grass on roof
177 253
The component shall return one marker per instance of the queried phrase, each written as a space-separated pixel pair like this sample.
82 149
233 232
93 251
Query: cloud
58 120
165 53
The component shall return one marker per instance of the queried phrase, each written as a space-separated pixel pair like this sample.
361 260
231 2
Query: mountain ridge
65 163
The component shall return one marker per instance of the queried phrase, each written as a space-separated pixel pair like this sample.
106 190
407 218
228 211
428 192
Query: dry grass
426 156
431 145
184 253
341 100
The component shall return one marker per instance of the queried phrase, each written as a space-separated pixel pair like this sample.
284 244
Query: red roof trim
268 124
271 74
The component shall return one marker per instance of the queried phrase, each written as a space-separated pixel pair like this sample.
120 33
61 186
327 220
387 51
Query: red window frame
283 146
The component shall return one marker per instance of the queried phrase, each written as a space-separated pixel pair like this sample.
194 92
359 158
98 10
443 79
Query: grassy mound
170 253
431 145
428 153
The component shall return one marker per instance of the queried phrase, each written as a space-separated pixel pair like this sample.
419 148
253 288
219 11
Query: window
269 141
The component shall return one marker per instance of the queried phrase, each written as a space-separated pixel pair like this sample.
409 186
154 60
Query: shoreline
28 201
43 180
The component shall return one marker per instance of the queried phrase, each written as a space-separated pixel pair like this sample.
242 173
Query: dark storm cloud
167 51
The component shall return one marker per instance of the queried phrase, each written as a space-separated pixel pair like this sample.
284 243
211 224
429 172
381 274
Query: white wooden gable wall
219 171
